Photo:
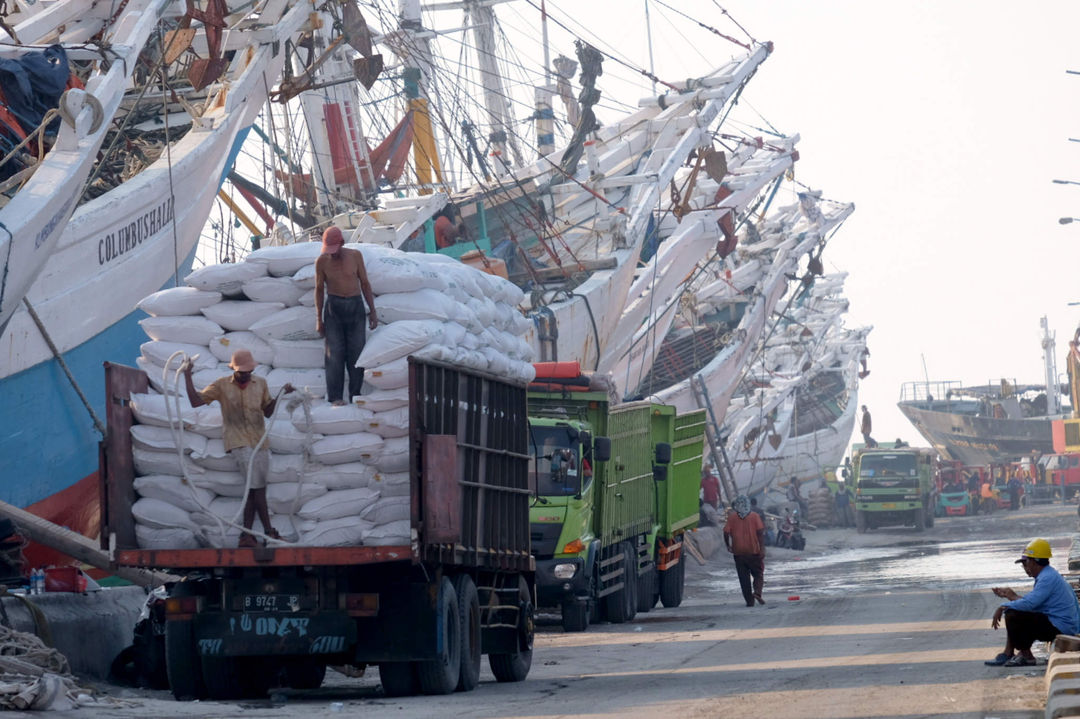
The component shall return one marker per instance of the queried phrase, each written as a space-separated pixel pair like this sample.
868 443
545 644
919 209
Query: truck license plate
271 602
888 505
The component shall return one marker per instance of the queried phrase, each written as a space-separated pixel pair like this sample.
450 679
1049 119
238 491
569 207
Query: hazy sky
944 121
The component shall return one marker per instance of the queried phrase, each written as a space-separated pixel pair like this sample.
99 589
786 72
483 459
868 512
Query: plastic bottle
37 581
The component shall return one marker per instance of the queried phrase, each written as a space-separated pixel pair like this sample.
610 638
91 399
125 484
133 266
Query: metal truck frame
241 619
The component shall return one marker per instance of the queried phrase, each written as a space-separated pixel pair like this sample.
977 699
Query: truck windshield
888 465
555 465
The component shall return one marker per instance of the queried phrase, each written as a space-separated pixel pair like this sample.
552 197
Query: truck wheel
919 518
468 605
399 679
515 667
304 673
182 662
575 615
646 589
671 584
860 522
616 609
440 676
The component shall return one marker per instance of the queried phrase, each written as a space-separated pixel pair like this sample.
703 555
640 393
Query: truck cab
893 487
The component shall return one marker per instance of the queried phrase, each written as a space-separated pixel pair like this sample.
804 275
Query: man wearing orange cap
339 317
245 402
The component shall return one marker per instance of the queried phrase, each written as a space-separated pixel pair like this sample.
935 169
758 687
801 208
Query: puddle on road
907 565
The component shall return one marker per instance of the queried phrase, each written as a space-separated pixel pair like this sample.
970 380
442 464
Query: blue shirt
1053 597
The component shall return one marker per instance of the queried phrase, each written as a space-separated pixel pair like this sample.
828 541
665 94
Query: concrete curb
89 629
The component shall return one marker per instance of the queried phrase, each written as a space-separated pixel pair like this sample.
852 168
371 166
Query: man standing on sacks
245 403
340 313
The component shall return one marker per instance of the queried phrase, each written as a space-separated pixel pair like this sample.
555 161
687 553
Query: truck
616 491
424 612
893 486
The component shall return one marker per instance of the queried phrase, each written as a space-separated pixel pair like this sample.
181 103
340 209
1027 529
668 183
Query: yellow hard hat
1037 549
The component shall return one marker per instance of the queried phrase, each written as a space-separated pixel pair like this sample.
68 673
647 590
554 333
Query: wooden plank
442 493
118 472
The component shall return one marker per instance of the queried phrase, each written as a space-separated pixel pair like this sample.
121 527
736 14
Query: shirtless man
340 275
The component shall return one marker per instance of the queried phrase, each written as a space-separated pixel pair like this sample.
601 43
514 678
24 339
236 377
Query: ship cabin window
888 465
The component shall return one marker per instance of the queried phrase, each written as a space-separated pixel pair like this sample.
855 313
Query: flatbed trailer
242 619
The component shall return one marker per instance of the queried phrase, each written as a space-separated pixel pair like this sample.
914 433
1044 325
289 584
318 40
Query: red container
64 579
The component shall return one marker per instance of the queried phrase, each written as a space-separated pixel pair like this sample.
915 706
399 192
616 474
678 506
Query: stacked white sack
338 475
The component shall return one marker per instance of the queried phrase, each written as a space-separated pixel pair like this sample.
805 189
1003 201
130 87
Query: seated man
1049 609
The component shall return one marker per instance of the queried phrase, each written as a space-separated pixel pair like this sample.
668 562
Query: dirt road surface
892 623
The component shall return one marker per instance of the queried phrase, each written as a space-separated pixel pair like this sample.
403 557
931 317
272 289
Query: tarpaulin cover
33 83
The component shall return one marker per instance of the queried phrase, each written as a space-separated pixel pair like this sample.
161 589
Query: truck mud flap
261 634
406 628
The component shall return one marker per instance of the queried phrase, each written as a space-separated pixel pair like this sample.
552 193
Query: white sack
423 304
214 456
343 532
393 271
172 538
287 498
312 381
158 514
341 448
399 339
291 323
391 423
386 510
306 354
327 419
389 535
226 278
223 347
393 484
196 329
383 399
223 484
394 456
236 315
304 278
162 461
339 503
392 375
350 475
284 525
287 439
175 491
150 409
285 260
147 436
286 467
273 289
207 421
159 353
177 301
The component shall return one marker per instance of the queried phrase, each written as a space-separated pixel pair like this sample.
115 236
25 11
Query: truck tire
515 667
631 580
304 673
616 610
919 518
860 522
440 675
575 615
646 589
182 662
671 584
399 679
468 605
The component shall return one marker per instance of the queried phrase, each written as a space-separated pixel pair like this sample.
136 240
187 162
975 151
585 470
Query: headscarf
741 505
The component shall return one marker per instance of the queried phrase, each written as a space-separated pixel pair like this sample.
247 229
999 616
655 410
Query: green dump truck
616 488
893 486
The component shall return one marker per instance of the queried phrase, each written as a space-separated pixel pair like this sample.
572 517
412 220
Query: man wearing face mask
744 537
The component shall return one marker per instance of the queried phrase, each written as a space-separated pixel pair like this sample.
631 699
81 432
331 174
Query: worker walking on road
1049 609
245 402
845 517
744 537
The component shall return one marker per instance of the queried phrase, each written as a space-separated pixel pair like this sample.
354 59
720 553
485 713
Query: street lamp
1067 220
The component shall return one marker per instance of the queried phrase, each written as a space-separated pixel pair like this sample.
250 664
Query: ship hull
980 441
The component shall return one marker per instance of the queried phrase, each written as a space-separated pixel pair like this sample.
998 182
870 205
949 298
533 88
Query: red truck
1063 472
424 612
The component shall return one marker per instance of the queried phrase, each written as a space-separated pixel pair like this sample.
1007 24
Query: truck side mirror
663 453
659 472
602 449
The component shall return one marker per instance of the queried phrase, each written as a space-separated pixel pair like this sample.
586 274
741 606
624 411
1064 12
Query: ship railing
929 392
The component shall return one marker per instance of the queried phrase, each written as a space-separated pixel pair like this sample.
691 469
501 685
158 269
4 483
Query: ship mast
1053 401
